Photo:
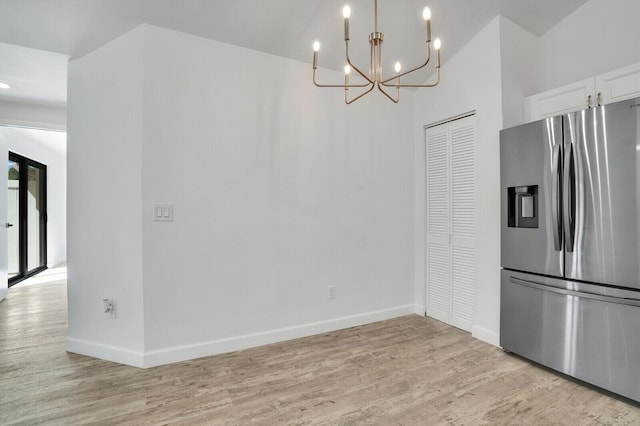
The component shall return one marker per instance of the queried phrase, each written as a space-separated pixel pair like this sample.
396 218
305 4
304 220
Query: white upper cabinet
572 97
613 86
619 85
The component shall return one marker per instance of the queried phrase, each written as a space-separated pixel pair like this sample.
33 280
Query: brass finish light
374 77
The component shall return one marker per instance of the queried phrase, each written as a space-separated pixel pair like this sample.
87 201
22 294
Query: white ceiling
286 28
34 75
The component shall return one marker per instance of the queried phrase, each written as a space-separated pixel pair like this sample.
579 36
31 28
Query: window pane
34 211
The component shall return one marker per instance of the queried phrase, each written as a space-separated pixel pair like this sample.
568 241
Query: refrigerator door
530 172
587 331
602 194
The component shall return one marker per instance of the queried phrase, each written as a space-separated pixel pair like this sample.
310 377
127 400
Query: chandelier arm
383 82
395 101
417 85
349 102
354 67
378 73
343 86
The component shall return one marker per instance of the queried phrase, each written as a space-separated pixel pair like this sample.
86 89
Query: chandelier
374 77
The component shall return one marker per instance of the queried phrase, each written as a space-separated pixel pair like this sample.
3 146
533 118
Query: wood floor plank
406 371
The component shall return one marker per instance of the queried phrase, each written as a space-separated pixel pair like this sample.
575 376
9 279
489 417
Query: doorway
27 218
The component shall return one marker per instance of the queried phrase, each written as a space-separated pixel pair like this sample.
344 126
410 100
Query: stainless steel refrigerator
570 234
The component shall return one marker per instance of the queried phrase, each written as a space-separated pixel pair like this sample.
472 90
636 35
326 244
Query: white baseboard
419 310
109 353
3 293
485 335
215 347
56 262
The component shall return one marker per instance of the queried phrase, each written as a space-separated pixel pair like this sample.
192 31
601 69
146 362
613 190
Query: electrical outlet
109 308
331 291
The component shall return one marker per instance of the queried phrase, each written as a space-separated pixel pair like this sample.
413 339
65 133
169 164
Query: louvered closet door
438 224
463 226
450 257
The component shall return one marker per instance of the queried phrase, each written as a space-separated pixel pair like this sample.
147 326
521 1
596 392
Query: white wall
104 192
598 37
279 189
45 147
519 58
471 80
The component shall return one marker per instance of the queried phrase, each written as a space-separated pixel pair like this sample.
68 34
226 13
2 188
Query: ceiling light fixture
4 85
374 77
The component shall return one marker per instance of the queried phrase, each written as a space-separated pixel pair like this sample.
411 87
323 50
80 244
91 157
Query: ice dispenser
523 206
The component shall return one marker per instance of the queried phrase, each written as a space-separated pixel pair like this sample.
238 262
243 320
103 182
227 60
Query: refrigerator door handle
569 210
611 299
556 199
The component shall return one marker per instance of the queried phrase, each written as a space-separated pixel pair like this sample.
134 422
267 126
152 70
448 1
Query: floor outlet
332 292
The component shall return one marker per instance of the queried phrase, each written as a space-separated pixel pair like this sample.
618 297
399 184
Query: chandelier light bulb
398 67
316 46
426 13
347 70
4 86
346 11
437 44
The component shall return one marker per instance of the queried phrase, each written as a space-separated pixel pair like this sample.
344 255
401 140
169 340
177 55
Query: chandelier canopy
374 77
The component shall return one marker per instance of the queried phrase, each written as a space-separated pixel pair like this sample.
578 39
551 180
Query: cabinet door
565 99
619 85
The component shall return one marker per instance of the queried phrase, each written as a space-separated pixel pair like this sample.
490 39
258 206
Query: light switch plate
162 212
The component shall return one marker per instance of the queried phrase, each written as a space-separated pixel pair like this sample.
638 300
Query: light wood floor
406 371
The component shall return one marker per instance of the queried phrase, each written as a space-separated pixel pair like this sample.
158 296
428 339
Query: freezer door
530 171
602 197
587 331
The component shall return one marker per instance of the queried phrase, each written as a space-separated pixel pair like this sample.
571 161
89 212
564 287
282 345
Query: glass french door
27 217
